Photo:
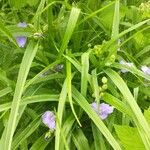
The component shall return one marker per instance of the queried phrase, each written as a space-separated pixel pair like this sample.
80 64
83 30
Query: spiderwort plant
21 40
103 109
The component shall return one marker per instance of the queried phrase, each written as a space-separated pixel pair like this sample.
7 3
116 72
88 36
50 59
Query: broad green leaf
129 137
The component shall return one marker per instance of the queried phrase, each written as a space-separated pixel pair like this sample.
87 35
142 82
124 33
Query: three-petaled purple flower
127 64
48 118
146 70
21 40
103 109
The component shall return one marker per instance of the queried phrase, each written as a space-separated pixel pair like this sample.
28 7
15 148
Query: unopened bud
104 80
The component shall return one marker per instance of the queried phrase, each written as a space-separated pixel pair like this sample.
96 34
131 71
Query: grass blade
115 27
23 72
18 139
30 100
61 106
70 28
84 73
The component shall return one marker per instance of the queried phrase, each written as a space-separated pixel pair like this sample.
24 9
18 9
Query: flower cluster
21 40
103 110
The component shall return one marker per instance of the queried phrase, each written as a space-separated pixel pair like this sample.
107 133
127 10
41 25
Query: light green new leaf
129 137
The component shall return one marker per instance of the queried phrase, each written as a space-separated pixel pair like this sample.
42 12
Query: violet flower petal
94 106
103 116
21 41
22 25
103 109
48 118
146 70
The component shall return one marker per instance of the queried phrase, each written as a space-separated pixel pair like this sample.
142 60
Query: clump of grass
76 76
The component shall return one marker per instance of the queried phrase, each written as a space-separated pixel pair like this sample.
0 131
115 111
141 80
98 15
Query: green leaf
60 112
40 143
147 115
115 27
118 104
129 137
8 34
33 2
30 100
70 28
18 3
99 141
5 91
19 138
23 72
84 72
80 140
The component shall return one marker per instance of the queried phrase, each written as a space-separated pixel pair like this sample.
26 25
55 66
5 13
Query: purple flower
146 70
22 25
48 118
103 110
21 40
127 64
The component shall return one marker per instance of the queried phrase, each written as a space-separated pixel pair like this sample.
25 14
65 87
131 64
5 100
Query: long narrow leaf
23 72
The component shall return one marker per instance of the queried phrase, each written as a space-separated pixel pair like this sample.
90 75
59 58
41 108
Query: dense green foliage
71 59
